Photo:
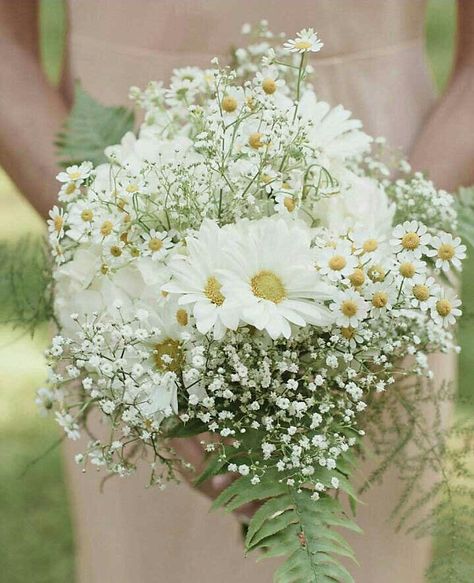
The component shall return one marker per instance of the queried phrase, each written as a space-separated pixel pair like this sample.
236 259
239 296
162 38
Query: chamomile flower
156 244
411 238
349 308
447 251
56 223
197 283
423 292
445 308
76 173
406 266
382 296
69 191
336 262
306 41
269 273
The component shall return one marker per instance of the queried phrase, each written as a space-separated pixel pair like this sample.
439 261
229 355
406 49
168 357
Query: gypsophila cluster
242 266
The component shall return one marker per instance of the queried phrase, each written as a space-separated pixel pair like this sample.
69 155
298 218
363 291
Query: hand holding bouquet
248 268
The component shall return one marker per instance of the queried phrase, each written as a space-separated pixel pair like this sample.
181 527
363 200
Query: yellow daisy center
182 317
443 307
255 140
421 292
357 278
229 103
407 269
106 228
376 273
87 215
132 188
212 290
168 355
302 45
337 262
269 86
370 245
268 286
348 332
410 241
155 244
349 308
115 251
289 203
380 299
70 188
74 175
58 223
446 251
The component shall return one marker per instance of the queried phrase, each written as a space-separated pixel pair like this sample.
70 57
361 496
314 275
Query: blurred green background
36 541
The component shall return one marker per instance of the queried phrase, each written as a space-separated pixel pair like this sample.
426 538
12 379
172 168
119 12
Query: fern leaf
90 128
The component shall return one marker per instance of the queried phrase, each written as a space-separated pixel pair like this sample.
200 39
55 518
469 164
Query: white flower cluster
236 268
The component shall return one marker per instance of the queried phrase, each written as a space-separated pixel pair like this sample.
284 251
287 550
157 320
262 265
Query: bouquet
252 267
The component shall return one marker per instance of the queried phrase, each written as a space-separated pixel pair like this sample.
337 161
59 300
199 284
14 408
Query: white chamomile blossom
382 296
69 190
196 281
445 308
447 251
269 273
407 266
336 262
411 238
306 41
156 244
56 222
349 308
76 173
423 291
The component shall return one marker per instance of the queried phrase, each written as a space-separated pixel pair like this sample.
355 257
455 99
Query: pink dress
373 62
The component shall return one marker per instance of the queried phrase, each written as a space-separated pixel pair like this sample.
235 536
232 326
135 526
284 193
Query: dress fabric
373 63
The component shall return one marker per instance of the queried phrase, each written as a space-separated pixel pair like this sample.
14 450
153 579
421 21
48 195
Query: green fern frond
90 128
26 297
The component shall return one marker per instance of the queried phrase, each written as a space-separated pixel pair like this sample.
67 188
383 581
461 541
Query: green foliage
290 524
409 429
465 208
25 283
90 128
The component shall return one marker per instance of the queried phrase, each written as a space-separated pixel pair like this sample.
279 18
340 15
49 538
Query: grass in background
36 543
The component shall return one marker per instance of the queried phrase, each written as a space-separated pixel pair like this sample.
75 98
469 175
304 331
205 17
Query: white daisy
448 251
424 291
349 308
412 238
306 41
407 266
336 262
445 308
156 244
76 173
56 223
382 296
270 275
195 278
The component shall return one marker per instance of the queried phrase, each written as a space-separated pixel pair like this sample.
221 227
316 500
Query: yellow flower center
74 175
155 244
302 45
357 278
407 269
269 86
106 228
58 223
250 101
87 215
168 355
115 251
443 307
182 317
349 308
268 286
255 140
104 269
380 300
376 273
410 241
289 203
348 332
370 245
229 104
421 292
212 290
132 188
446 252
337 262
70 188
